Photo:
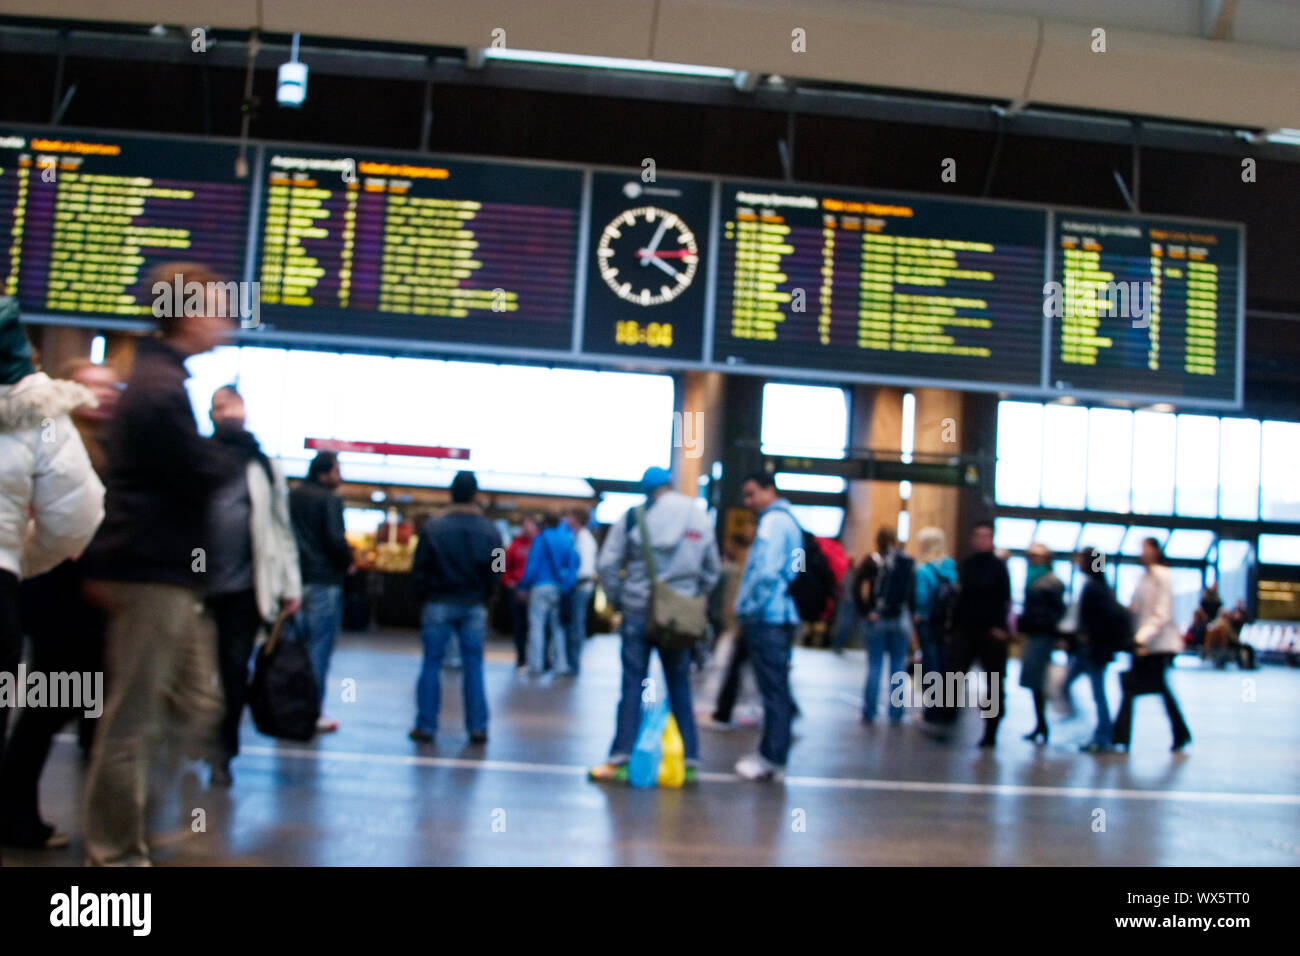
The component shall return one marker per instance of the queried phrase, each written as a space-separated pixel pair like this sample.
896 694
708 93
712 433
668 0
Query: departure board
88 215
647 274
1145 306
419 248
875 285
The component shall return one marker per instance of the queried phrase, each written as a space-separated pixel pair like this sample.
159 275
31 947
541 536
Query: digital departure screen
646 266
86 217
1145 306
419 248
879 286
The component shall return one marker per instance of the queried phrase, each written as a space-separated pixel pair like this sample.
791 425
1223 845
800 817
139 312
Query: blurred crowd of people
131 544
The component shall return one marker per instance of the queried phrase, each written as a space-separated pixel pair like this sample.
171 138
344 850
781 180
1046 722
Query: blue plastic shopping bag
643 768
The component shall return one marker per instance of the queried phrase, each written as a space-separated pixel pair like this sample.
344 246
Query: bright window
810 420
1065 456
1239 468
1020 454
1279 549
1106 538
1132 546
825 521
1154 437
1013 534
1126 579
1060 536
1198 466
1193 543
1110 459
1280 472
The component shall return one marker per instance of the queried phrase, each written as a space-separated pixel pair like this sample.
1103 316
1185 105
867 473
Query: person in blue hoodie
769 620
549 578
936 573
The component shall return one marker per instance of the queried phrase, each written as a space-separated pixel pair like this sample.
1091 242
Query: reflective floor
856 794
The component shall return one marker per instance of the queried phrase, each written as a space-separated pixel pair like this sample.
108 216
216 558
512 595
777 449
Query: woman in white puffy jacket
51 501
1156 640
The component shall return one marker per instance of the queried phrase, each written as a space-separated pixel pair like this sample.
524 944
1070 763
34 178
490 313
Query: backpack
814 585
895 583
943 604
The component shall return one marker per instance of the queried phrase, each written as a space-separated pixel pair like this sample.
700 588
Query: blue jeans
438 622
769 647
892 635
636 665
544 618
579 596
1084 663
317 627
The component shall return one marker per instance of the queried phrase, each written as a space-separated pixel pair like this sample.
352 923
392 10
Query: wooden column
938 431
698 409
876 422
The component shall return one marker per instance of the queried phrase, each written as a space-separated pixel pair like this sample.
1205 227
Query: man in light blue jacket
769 620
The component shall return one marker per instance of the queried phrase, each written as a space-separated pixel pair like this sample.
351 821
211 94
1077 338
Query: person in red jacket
516 560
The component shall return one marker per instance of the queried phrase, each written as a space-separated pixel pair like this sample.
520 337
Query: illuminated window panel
1239 455
1197 466
810 420
614 505
1126 580
1155 435
1192 543
1279 486
790 481
1060 536
824 521
363 520
1065 456
1110 459
1106 538
1013 534
208 372
1017 570
1279 549
1132 545
1234 571
1018 480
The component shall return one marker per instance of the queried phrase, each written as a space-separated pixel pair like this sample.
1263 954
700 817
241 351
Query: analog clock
648 256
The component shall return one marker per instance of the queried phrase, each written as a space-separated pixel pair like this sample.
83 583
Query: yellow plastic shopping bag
672 762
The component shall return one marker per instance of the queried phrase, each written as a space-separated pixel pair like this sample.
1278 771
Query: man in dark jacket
324 557
161 644
889 622
983 602
457 560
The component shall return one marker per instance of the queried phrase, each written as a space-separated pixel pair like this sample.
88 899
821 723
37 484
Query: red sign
384 448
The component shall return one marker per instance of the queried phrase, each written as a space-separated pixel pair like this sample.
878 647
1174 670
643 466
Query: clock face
648 256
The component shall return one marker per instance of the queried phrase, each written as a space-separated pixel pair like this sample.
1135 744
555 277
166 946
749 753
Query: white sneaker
754 767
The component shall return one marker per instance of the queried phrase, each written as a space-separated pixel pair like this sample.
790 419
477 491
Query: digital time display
646 275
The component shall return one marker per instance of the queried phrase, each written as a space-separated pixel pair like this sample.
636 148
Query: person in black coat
983 601
1104 629
1039 626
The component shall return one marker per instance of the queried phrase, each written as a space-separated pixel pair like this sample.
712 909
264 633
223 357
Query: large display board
569 263
1151 305
86 216
389 246
878 285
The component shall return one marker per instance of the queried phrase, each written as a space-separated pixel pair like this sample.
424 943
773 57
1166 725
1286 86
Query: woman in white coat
1156 640
51 501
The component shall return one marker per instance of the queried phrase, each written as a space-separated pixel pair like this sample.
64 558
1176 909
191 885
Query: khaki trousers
161 662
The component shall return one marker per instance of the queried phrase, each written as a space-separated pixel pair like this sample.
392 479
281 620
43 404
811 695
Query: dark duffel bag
284 698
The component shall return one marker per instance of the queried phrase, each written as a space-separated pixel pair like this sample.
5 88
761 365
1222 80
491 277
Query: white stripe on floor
843 783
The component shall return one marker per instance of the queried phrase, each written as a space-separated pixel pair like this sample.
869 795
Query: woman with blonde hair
935 592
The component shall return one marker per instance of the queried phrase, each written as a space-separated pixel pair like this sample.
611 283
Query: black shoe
987 741
478 737
44 837
1180 744
1036 737
221 776
421 736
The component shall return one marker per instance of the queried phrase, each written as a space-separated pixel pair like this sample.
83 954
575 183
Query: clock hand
654 243
661 264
